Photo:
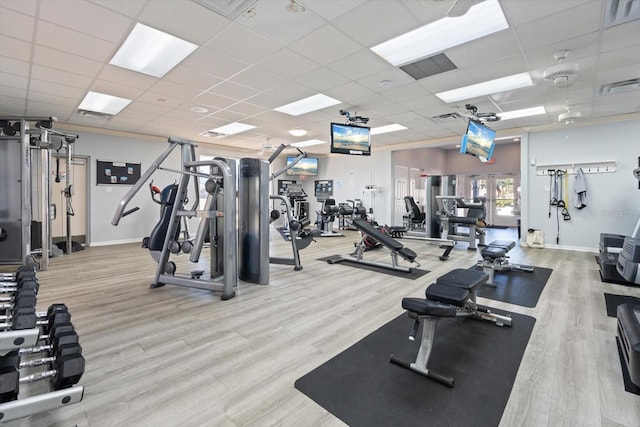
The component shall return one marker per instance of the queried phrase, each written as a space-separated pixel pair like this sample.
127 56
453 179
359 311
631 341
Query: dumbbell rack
14 340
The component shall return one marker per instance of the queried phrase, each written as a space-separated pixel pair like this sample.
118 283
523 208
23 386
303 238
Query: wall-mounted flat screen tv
305 167
350 139
478 141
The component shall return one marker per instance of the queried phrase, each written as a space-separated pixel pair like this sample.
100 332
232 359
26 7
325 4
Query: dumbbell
27 318
21 298
67 362
20 272
12 287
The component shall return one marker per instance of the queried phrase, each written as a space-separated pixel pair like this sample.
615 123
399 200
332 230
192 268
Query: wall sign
117 173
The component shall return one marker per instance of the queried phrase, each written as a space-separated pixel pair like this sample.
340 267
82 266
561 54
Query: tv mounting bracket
356 120
480 117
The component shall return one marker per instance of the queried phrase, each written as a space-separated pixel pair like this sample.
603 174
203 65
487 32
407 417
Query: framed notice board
117 173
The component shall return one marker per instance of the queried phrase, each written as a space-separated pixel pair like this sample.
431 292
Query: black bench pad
461 278
425 307
493 252
447 294
507 245
462 220
629 335
385 239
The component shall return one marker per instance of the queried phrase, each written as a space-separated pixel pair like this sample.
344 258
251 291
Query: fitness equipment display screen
478 141
307 167
349 139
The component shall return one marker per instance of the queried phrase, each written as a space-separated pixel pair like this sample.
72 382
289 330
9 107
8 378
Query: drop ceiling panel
66 78
376 21
213 100
165 87
360 64
322 79
287 64
274 21
27 7
159 99
258 79
621 36
348 92
242 44
397 78
88 18
48 98
192 78
184 19
523 11
130 8
325 45
487 49
12 92
13 80
215 63
74 42
16 24
14 66
581 47
65 61
126 77
116 89
14 48
331 9
568 24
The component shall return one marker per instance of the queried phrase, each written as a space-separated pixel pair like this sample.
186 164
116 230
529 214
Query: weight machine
25 193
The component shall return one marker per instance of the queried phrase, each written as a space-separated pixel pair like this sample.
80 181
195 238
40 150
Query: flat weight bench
494 258
453 295
629 339
396 248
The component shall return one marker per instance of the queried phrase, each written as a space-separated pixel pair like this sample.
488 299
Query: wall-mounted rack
587 167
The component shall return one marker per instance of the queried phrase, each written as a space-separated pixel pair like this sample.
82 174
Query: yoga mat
516 287
362 388
613 301
413 275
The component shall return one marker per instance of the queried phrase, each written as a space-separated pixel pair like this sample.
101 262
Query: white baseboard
523 243
116 242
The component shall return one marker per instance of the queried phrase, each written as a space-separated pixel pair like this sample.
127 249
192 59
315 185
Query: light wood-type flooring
176 356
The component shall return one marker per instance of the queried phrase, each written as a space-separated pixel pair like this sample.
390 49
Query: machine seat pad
504 244
462 220
447 294
407 254
461 278
425 307
493 252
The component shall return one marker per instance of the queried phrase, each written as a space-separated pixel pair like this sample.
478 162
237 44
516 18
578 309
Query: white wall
613 204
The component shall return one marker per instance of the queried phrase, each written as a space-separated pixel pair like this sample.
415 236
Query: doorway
502 197
401 177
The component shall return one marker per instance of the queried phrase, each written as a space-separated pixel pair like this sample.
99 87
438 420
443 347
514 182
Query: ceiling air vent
230 9
212 134
618 87
446 118
95 114
621 11
428 67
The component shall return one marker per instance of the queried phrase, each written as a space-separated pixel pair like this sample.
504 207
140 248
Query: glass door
502 196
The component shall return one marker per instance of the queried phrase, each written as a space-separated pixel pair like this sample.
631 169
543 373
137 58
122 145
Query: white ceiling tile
331 9
246 109
213 100
242 44
52 99
275 22
234 91
27 7
16 24
13 80
165 87
56 89
125 77
511 65
14 48
291 92
184 19
88 18
523 11
568 24
395 75
322 79
287 64
579 47
215 63
130 8
376 21
65 78
325 45
193 78
115 89
163 101
621 36
360 64
349 91
486 49
265 100
258 79
73 42
406 92
12 92
65 61
44 109
14 66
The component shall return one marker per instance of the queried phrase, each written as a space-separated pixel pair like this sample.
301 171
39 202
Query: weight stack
253 219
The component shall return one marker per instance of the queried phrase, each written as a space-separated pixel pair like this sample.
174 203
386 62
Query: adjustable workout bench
387 241
494 258
453 295
629 339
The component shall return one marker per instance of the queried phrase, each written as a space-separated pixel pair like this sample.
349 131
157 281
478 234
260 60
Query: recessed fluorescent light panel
526 112
481 20
308 143
385 129
232 128
307 105
150 51
490 87
103 103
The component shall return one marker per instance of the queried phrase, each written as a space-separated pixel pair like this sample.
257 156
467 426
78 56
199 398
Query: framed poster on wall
117 173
